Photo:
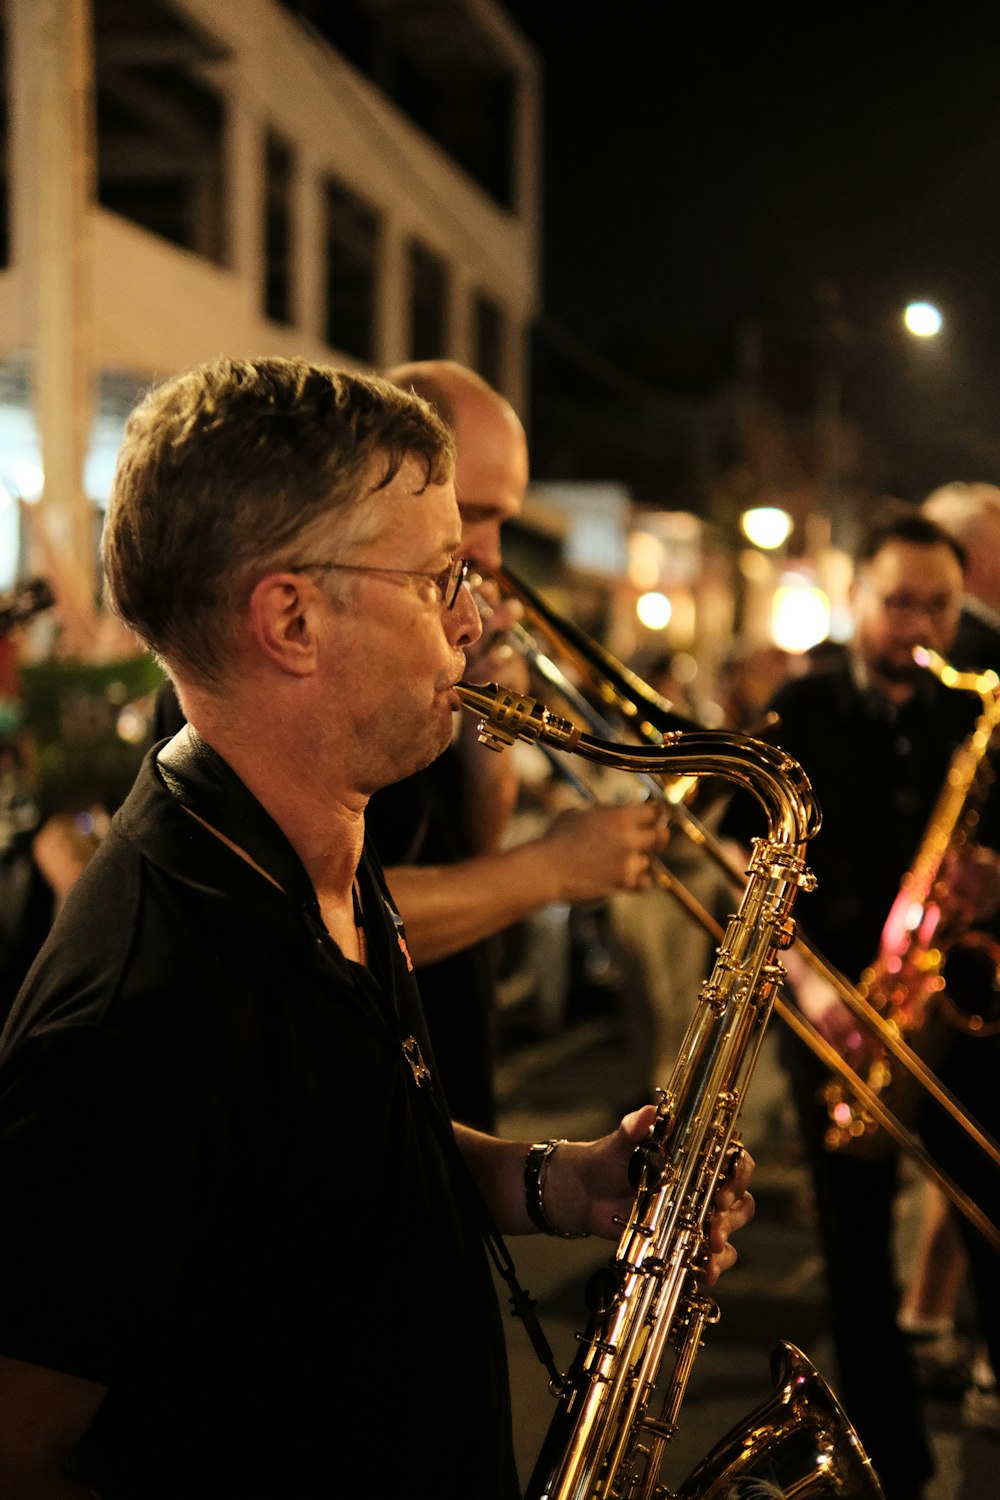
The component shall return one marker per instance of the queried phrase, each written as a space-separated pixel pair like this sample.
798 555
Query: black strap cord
522 1303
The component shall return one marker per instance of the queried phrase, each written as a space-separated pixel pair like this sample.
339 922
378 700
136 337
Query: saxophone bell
798 1442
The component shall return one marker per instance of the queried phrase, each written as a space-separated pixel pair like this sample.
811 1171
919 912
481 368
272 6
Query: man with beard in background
876 734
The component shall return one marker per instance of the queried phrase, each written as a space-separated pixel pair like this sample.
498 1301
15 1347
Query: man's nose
462 622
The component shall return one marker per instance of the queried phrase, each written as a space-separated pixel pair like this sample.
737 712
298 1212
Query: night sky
737 166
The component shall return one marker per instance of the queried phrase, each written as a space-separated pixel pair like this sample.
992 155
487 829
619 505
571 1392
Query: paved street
571 1086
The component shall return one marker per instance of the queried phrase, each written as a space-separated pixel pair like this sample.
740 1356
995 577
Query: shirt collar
198 779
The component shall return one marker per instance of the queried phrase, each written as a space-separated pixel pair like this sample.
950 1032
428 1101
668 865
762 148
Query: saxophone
933 972
605 1442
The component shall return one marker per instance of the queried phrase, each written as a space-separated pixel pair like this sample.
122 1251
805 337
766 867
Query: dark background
760 189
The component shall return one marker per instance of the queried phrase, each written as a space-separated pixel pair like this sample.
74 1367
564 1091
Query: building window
441 65
489 336
278 229
160 127
428 301
351 257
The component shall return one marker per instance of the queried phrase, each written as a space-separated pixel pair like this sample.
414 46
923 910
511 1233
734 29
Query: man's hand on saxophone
732 1207
576 1188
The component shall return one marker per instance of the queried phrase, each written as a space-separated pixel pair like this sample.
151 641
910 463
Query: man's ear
284 616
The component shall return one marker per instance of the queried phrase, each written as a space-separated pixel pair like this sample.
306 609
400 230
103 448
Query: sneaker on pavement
941 1362
981 1409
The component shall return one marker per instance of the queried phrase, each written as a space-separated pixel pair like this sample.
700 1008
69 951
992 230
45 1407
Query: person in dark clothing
971 514
243 1247
876 735
439 833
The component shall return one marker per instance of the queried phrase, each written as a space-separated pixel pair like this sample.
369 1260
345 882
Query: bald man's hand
597 851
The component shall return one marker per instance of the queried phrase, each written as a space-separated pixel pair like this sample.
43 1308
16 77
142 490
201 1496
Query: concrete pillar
307 246
60 44
460 334
392 303
516 337
244 182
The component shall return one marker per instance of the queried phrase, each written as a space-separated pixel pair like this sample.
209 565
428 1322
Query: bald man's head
971 514
491 468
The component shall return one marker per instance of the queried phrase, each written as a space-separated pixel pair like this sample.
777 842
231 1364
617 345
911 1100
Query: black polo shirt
225 1193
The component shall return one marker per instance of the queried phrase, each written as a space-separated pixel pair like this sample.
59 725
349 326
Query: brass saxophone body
933 971
605 1441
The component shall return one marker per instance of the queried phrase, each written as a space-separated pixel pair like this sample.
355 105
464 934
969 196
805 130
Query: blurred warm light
684 668
131 725
645 559
766 526
654 610
923 319
800 616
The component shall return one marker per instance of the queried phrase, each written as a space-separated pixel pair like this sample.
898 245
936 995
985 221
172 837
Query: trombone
655 720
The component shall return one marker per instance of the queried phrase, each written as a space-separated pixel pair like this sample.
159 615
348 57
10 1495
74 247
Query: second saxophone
933 971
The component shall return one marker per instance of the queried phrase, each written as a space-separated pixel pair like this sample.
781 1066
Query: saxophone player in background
971 514
242 1255
876 734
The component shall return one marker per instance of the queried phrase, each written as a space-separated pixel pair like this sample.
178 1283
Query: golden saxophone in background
932 972
605 1442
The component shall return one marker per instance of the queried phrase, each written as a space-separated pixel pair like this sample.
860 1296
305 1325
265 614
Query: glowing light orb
923 319
800 617
766 526
654 610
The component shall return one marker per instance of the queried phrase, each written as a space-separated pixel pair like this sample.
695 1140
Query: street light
922 319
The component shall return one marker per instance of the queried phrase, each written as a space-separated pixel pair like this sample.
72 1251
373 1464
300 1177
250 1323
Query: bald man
971 514
438 833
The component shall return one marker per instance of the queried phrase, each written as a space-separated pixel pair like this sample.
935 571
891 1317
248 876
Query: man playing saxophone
440 831
242 1255
971 514
877 734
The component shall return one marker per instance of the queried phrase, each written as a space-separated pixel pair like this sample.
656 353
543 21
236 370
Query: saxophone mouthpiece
506 717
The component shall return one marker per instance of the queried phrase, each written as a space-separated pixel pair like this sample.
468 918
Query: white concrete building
184 178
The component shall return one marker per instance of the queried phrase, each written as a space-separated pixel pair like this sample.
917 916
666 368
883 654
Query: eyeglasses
448 582
898 606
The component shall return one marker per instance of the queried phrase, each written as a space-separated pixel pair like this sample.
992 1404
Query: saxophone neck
986 684
776 780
